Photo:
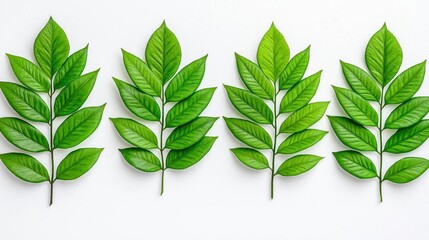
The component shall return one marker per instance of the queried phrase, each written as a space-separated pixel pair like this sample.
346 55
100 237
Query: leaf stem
380 151
161 143
275 140
51 149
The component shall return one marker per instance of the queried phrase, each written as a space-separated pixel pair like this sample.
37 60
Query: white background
218 198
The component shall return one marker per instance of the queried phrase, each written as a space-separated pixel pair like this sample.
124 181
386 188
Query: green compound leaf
135 133
251 158
295 69
383 56
163 53
51 48
249 133
361 82
25 102
141 104
78 127
304 117
298 164
406 84
29 74
301 140
77 163
356 107
406 170
254 79
141 159
249 105
181 159
23 135
262 106
353 135
408 139
186 81
71 69
190 133
141 75
55 70
172 99
301 94
356 164
74 95
408 113
190 108
273 53
25 167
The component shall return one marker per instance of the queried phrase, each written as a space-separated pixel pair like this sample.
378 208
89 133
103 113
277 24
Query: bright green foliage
55 70
159 86
380 87
267 82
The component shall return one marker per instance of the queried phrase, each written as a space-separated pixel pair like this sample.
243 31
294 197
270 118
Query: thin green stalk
275 141
51 144
161 143
380 151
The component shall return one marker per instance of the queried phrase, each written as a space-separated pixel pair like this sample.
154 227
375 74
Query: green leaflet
273 53
298 164
260 104
408 113
25 102
301 94
295 69
163 53
190 108
54 70
78 127
383 57
141 104
356 107
356 164
406 84
23 135
71 69
352 134
408 139
253 77
78 163
29 74
51 47
181 159
141 75
251 158
25 167
135 133
74 95
304 117
190 133
406 170
301 140
361 82
186 82
142 159
173 100
249 105
249 133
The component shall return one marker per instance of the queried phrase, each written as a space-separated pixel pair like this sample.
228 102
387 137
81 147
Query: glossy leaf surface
77 163
181 159
78 127
25 167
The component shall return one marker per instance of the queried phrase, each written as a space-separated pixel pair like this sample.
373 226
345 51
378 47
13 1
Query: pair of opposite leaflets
162 93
